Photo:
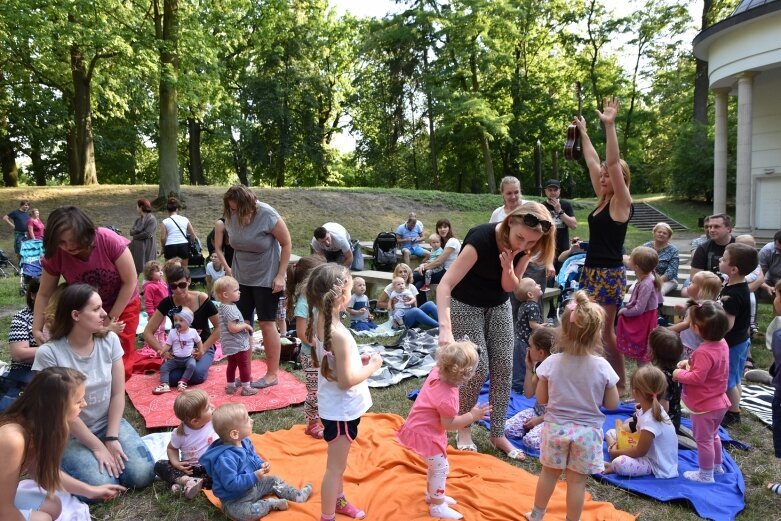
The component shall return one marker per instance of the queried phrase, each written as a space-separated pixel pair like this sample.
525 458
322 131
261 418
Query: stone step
646 216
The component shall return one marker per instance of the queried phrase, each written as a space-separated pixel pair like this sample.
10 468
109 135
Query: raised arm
621 196
590 155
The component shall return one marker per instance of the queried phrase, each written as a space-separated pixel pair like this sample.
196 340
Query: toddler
704 378
401 299
666 349
214 270
177 352
240 479
638 317
705 285
358 308
434 412
435 241
235 337
574 383
527 424
528 319
738 261
188 442
296 294
282 316
154 290
343 394
657 450
755 279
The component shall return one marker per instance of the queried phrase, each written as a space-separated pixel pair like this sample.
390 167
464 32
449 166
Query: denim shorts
415 250
737 359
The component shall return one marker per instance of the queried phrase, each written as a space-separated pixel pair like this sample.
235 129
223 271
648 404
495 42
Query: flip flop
261 383
516 454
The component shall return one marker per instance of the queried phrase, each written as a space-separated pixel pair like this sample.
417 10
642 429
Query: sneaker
193 487
699 476
731 418
443 511
753 330
230 389
425 287
248 391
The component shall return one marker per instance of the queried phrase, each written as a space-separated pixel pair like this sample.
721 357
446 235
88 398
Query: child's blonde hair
746 238
356 280
397 279
228 417
651 383
150 267
457 360
435 237
398 268
646 259
581 326
222 285
189 405
543 338
523 288
709 284
325 288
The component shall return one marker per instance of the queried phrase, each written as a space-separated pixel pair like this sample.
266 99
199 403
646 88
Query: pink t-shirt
705 383
99 270
423 431
154 293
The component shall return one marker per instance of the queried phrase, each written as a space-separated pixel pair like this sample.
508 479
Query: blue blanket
722 500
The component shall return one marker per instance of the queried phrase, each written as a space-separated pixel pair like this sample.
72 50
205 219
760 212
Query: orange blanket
389 482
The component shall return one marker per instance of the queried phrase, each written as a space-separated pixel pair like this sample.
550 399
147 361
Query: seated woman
425 315
450 246
33 436
23 346
204 313
105 448
667 268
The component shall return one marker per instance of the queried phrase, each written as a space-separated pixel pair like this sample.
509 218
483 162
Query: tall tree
167 36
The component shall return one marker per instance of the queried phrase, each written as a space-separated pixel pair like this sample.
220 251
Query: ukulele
573 148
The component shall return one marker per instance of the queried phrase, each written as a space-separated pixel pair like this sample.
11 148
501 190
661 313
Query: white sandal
162 389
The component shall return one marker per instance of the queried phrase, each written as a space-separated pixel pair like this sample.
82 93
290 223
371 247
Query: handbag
192 242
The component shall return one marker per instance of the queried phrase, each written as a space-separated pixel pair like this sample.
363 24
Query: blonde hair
651 383
647 259
457 360
189 405
435 237
508 180
545 248
581 326
524 286
228 417
709 284
398 268
627 179
664 226
223 284
325 287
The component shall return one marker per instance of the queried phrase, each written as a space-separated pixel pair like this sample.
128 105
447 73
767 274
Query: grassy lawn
365 212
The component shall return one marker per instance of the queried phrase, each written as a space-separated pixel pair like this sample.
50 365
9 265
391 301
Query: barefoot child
657 451
704 378
574 383
235 337
178 351
434 412
358 308
343 394
640 315
240 479
188 443
528 319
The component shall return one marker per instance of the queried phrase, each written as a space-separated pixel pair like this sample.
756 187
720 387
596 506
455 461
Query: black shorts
332 429
181 250
259 300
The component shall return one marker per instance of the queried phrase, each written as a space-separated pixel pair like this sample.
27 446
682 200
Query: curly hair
457 361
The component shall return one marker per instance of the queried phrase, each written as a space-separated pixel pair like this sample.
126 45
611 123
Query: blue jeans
187 363
79 462
418 280
519 365
425 315
201 369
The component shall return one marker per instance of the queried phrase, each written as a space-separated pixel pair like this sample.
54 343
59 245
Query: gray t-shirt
256 251
96 366
232 343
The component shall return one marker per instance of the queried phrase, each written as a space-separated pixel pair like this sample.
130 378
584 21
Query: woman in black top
472 301
604 275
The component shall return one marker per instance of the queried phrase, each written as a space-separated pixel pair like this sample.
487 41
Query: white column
743 171
720 151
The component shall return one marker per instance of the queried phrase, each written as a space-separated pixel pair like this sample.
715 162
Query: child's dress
423 431
639 318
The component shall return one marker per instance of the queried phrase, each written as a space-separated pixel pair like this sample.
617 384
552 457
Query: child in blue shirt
435 241
240 479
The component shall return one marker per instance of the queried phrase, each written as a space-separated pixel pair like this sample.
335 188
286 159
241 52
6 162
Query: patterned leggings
437 475
491 329
310 374
626 466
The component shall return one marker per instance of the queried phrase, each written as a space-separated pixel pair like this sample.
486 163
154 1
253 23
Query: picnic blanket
758 400
722 500
412 356
388 481
158 410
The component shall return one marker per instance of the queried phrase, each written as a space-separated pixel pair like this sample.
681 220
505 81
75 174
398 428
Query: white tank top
338 404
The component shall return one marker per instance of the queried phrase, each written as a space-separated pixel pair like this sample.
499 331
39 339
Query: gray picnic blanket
413 356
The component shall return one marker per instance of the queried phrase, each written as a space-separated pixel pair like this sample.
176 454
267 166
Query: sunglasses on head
180 285
532 221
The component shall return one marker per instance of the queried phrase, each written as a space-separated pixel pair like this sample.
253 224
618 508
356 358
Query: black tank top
606 239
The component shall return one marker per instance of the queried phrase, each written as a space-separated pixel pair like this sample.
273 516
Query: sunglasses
532 221
180 285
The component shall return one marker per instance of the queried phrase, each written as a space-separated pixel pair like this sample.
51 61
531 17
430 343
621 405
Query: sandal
182 386
193 487
466 447
162 389
314 430
262 383
516 454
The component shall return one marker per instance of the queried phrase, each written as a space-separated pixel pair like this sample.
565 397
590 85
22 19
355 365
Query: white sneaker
699 477
444 512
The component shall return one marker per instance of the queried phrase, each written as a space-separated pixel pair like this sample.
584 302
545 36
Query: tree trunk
84 147
432 142
195 164
74 163
284 142
7 156
167 32
239 163
37 166
701 74
488 163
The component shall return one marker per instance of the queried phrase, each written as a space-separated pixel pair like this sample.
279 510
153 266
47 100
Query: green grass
365 212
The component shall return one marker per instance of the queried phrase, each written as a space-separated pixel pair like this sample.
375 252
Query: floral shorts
572 446
604 285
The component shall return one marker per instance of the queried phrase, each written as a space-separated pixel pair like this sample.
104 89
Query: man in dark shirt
17 220
562 214
708 254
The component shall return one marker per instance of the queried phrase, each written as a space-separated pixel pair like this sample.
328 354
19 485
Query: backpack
384 251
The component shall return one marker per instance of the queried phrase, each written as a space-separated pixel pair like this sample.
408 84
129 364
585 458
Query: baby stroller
384 251
31 253
6 263
568 279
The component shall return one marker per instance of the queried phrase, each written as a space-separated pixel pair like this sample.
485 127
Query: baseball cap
552 182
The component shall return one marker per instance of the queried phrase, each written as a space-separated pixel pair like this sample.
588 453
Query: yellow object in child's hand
624 438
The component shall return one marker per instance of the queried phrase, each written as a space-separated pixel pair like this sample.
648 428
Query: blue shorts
737 359
415 250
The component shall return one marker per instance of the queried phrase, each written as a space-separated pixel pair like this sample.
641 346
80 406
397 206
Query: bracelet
110 438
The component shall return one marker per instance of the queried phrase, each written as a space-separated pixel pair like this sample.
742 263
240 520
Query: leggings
437 475
252 506
491 329
626 466
170 474
310 375
177 362
706 433
242 360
